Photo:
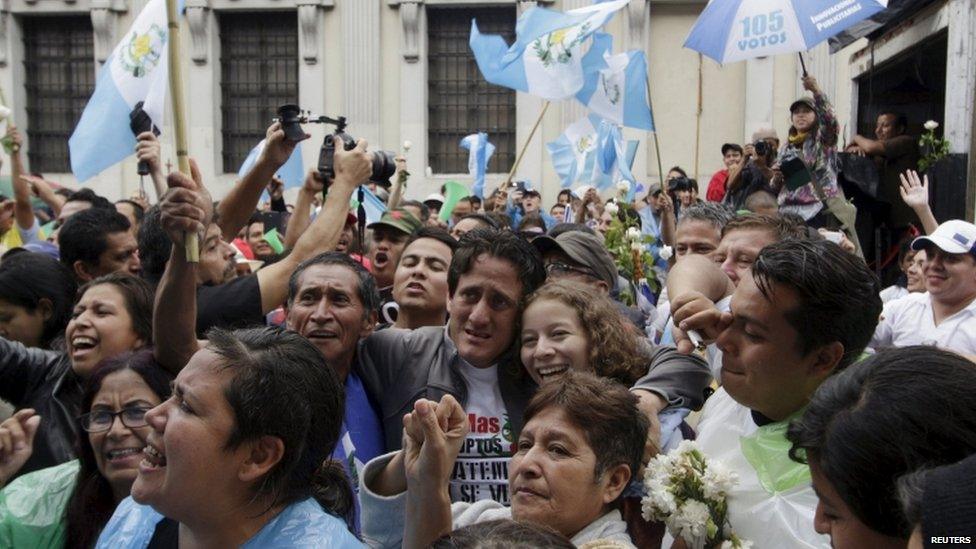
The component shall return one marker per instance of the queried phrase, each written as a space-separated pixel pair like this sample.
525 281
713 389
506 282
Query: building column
361 60
759 96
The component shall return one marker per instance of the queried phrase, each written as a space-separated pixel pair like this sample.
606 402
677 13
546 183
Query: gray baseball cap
583 248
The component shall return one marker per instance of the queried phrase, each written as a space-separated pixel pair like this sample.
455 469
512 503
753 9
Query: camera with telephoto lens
291 118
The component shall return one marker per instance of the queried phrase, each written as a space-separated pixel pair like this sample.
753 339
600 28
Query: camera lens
383 167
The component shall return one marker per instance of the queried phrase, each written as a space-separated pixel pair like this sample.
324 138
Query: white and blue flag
733 30
546 58
617 92
292 172
572 152
480 151
372 205
137 70
614 156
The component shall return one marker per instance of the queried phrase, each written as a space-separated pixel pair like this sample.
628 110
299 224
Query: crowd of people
496 376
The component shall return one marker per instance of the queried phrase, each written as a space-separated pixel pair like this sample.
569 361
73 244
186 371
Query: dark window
258 72
461 102
59 74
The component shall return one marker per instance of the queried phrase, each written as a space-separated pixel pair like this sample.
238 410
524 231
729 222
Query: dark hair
714 213
138 300
533 220
88 195
561 228
838 294
368 293
27 278
154 245
605 410
475 198
502 220
780 228
92 501
484 219
424 210
502 534
901 121
282 387
566 192
137 208
899 410
502 245
83 237
434 233
679 170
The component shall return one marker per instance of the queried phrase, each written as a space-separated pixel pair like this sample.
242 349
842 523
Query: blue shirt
302 524
361 438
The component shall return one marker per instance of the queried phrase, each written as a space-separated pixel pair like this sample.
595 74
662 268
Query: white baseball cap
434 197
954 236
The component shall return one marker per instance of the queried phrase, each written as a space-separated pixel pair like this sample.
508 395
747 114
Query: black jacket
43 380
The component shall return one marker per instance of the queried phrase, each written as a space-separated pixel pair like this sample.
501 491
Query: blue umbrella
734 30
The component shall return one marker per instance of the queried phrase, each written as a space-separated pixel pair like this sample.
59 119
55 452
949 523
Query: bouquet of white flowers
688 493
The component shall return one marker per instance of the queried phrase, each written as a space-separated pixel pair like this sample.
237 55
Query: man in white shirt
805 310
943 315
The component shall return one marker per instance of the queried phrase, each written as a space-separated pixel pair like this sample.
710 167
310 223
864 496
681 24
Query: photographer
755 171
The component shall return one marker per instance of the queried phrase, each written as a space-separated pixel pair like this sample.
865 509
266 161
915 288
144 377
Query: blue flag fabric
137 70
373 206
480 151
546 58
616 85
292 172
614 156
593 151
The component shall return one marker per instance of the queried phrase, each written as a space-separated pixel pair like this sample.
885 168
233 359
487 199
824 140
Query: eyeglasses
562 269
102 420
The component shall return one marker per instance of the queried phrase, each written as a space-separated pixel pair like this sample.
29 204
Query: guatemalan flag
617 92
480 151
136 71
546 58
592 151
292 172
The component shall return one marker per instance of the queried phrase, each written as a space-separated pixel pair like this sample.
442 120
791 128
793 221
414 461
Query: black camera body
762 148
140 122
292 117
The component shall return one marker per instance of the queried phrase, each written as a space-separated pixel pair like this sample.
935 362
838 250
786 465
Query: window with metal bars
460 101
258 73
59 77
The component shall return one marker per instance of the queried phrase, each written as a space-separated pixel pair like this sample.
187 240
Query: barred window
258 73
59 77
461 102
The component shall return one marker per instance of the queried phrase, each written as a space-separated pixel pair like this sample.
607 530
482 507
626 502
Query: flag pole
192 242
657 145
518 159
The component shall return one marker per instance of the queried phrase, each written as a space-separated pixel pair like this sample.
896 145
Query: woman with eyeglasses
68 505
112 315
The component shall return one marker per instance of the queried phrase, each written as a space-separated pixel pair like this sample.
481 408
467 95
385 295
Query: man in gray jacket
472 359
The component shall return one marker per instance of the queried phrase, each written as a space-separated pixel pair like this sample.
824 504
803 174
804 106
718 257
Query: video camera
292 117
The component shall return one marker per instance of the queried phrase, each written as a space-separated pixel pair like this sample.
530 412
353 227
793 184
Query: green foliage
933 149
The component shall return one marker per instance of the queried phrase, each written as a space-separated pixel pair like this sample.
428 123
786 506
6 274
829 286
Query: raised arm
695 284
668 221
399 183
235 209
915 193
22 194
185 208
299 219
827 128
42 189
148 150
351 167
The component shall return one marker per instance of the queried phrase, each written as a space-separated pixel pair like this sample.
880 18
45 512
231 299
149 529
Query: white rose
931 125
633 233
718 480
689 521
742 544
407 145
637 246
666 252
686 447
4 113
623 186
612 208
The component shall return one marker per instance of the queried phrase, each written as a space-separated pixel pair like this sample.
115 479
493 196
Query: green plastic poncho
32 507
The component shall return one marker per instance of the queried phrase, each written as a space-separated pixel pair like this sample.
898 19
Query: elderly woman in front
581 444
